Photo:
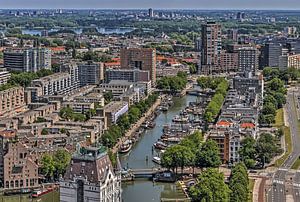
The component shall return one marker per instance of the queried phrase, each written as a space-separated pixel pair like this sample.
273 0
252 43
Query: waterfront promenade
138 124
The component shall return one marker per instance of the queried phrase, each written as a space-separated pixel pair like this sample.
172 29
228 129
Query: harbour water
147 191
140 190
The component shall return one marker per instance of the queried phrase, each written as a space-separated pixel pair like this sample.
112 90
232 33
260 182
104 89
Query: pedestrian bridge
144 173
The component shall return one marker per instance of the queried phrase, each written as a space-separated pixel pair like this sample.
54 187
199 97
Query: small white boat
125 147
157 160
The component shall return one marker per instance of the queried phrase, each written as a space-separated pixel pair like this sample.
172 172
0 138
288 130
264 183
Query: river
147 191
101 30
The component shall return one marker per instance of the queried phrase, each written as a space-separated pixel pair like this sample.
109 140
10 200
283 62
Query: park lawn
251 186
279 119
288 146
279 123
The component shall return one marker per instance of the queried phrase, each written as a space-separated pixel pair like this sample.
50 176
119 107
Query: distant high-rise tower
151 13
240 16
232 34
211 47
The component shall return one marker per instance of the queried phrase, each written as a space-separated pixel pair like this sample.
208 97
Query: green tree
58 42
193 141
45 131
124 122
209 155
192 68
210 187
134 114
239 183
269 108
177 156
90 113
66 113
208 117
48 166
270 99
280 99
247 152
266 148
61 161
23 79
276 85
44 72
108 96
40 120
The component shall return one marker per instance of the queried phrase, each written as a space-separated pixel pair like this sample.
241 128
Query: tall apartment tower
90 73
73 69
140 58
27 60
232 34
211 47
271 53
150 13
248 59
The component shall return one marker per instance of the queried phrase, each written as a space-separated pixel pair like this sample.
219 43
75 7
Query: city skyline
174 4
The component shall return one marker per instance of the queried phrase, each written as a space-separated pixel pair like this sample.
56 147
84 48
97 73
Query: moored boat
151 124
126 146
40 192
157 160
160 145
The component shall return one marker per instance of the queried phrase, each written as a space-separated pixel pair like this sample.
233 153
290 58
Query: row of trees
94 56
275 92
239 183
6 86
211 186
24 78
209 82
54 165
111 136
285 75
173 83
214 106
256 153
192 152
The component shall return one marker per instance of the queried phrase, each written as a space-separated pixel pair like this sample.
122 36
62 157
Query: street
279 190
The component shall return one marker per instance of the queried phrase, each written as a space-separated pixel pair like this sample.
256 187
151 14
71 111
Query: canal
147 191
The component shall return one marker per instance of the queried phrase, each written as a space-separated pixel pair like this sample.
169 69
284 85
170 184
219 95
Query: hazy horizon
155 4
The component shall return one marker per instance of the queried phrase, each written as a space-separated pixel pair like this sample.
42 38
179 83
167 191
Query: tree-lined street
279 190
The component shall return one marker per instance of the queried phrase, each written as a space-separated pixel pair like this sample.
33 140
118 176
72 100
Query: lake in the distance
102 30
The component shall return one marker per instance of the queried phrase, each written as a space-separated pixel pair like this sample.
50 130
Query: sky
171 4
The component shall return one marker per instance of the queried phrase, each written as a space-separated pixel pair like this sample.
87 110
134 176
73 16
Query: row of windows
20 183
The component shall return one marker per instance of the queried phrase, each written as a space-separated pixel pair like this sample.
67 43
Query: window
31 182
